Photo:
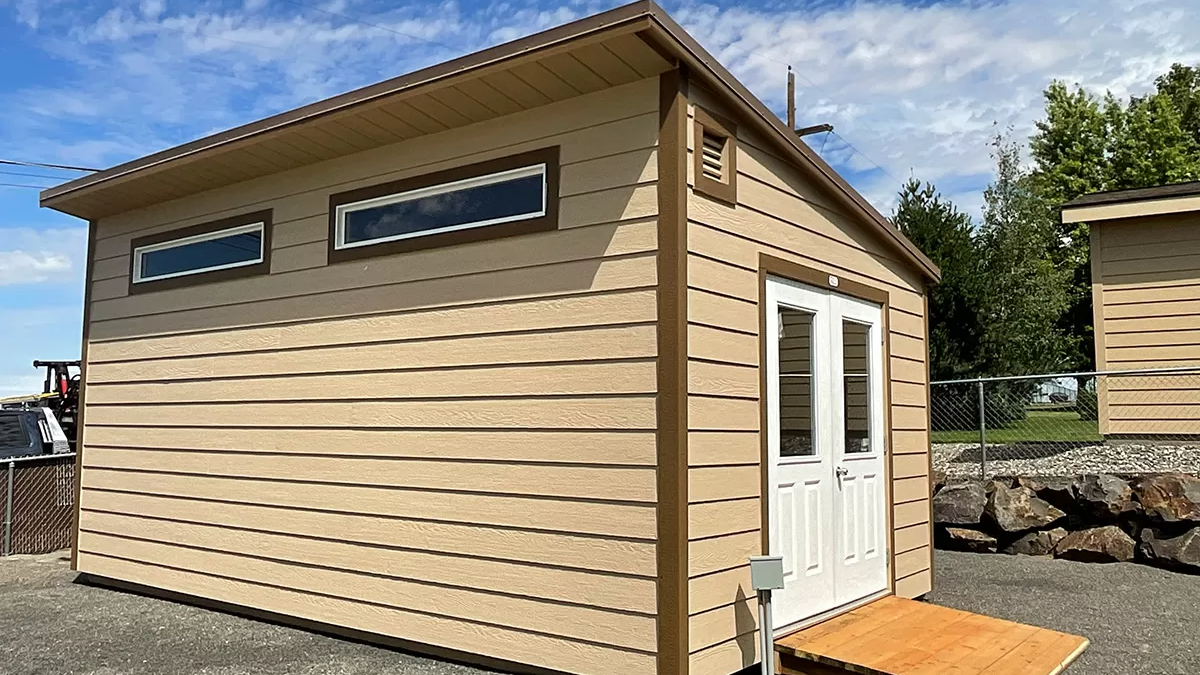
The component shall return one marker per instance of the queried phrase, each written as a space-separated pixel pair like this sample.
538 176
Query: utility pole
791 99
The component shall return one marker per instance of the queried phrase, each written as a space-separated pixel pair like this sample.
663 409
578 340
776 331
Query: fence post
982 436
8 511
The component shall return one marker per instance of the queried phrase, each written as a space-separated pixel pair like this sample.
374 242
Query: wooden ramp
895 636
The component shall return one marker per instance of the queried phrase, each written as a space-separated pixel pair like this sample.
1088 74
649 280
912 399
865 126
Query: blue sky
916 87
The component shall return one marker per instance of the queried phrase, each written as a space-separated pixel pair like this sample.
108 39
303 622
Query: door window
796 382
856 385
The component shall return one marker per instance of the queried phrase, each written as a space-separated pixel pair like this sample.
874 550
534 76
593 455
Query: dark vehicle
30 432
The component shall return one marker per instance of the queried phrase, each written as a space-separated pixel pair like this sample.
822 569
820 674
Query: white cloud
34 256
918 89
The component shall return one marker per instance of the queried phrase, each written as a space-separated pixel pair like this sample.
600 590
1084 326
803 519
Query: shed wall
1147 290
454 446
781 213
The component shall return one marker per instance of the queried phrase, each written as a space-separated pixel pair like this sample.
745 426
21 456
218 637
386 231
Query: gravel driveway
1140 620
54 627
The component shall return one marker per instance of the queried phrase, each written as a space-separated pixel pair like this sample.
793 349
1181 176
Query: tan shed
1145 260
517 359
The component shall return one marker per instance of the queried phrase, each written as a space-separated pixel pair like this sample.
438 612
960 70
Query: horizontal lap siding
781 214
1150 294
452 446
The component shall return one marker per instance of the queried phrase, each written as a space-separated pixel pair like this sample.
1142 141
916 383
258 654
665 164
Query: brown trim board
771 266
928 429
549 221
672 550
89 267
214 276
715 125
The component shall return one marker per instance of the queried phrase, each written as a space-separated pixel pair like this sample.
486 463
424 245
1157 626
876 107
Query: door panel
825 446
800 473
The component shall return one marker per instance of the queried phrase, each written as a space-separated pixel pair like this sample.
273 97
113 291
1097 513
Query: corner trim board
89 267
672 549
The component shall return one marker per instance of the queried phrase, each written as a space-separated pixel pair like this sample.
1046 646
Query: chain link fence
37 502
1126 422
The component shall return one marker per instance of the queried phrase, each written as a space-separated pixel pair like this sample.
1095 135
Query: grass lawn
1038 425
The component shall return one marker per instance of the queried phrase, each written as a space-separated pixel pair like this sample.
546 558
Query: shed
517 358
1145 264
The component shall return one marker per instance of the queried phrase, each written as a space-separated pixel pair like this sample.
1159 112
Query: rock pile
1091 518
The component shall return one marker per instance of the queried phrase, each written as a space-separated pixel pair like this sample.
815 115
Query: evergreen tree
944 234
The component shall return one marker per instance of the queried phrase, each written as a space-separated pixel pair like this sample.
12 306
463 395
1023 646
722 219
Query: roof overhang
1132 204
642 32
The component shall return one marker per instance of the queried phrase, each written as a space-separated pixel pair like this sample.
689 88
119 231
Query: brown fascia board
1189 189
701 62
628 16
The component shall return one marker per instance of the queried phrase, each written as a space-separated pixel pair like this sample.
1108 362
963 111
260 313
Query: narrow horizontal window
235 247
224 249
505 197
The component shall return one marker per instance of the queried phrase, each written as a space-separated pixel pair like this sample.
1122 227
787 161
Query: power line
864 156
19 185
31 175
64 167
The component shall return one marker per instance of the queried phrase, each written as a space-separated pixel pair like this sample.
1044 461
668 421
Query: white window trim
442 188
141 251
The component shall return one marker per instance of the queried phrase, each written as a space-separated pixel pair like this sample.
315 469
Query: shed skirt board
896 636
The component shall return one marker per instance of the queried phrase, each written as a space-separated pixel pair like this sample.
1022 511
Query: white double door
825 422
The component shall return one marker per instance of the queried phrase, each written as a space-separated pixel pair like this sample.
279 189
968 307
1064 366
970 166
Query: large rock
1041 542
959 504
1105 497
1056 490
1099 544
1182 551
1170 498
1017 509
965 539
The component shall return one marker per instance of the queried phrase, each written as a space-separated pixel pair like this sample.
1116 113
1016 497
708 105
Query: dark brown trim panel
548 156
815 277
715 125
672 444
214 276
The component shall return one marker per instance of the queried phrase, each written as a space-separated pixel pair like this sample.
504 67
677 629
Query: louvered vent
713 159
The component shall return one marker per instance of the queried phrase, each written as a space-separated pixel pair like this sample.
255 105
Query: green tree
1147 144
944 233
1182 85
1025 293
1070 159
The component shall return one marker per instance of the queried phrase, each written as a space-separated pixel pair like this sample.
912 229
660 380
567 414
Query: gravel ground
962 459
52 626
1140 620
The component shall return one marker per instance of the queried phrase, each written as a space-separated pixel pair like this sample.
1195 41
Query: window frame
247 222
442 182
715 125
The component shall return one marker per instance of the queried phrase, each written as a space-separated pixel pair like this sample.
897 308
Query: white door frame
807 599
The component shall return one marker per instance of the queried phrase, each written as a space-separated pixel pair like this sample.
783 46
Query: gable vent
713 159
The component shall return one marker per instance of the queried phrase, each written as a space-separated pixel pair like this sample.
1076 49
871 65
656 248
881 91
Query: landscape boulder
1041 542
1182 551
1017 509
959 503
1099 544
1169 498
1059 491
1105 496
965 539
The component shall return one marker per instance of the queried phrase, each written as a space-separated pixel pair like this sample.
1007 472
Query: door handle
841 471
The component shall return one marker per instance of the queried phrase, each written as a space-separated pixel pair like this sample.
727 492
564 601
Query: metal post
766 632
8 511
982 436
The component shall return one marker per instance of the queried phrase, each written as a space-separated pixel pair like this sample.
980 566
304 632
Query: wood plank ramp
896 636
